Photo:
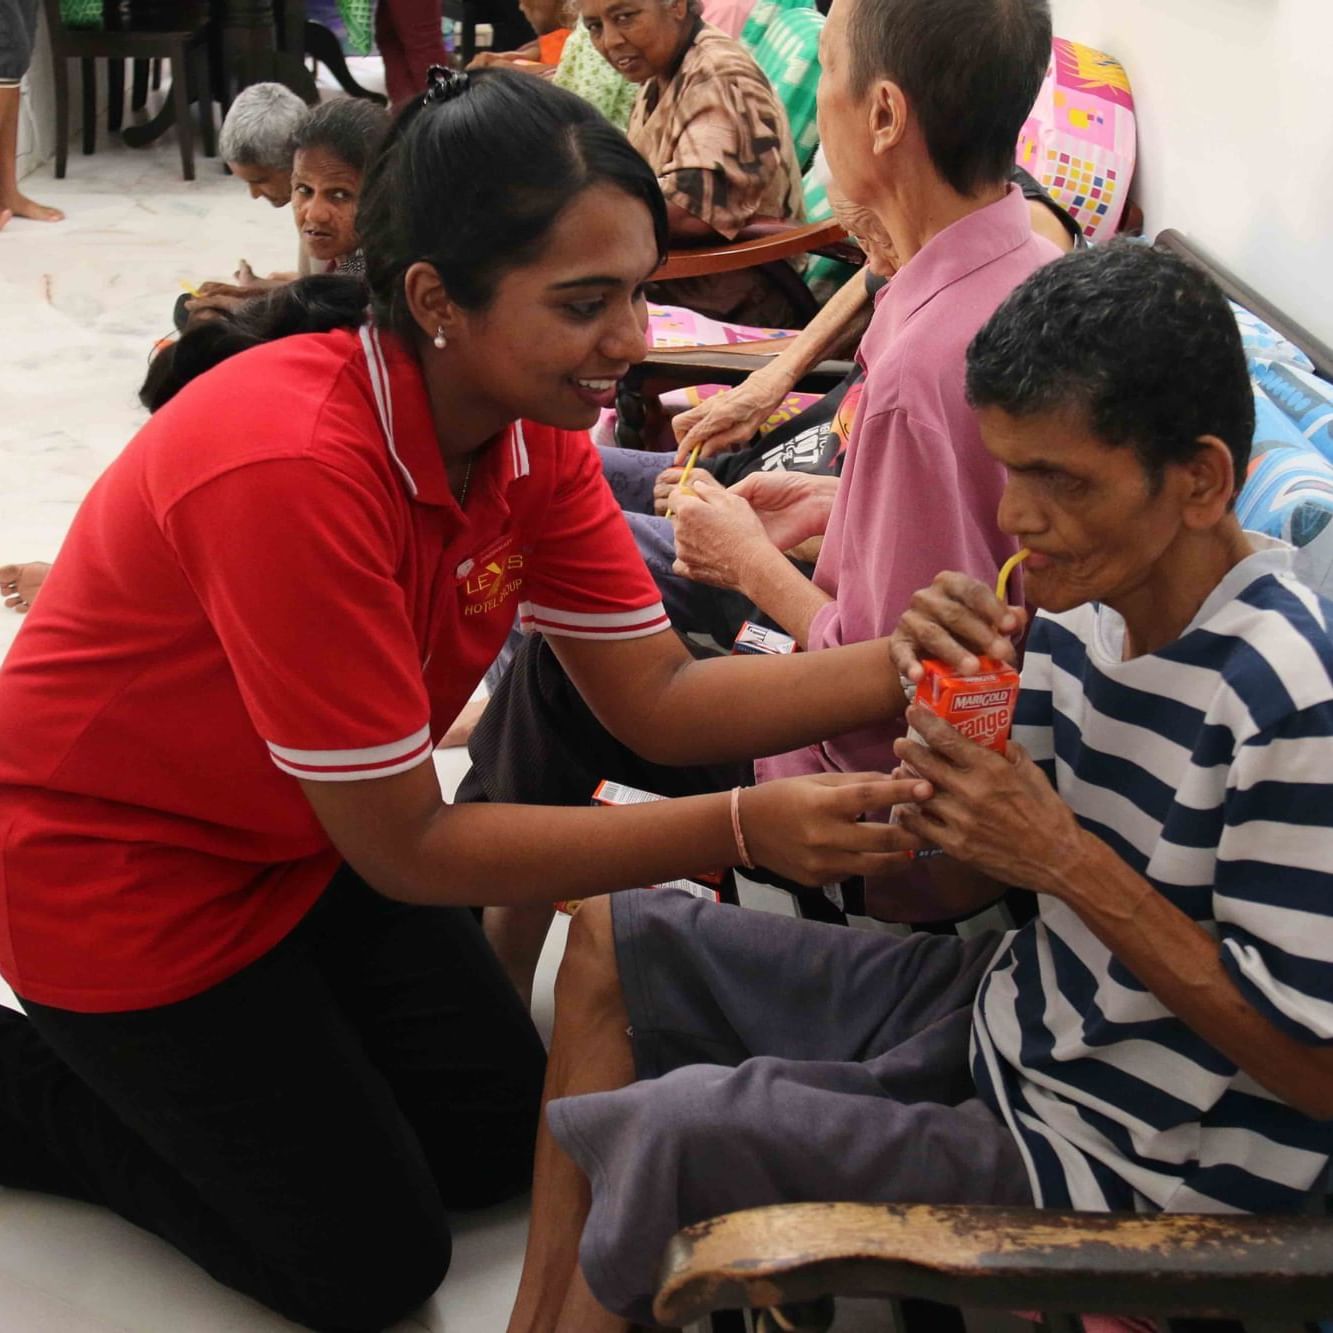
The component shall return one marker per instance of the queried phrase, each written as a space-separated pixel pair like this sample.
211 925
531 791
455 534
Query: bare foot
23 207
464 724
19 583
5 215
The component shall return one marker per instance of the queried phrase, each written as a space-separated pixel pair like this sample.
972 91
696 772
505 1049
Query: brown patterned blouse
718 139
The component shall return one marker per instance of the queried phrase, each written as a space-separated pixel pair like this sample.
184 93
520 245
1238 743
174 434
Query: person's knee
589 978
385 1273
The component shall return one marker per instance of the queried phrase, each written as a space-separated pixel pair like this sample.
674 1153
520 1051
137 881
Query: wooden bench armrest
676 367
772 242
1002 1258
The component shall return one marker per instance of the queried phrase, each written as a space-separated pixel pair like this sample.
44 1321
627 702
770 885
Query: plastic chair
179 33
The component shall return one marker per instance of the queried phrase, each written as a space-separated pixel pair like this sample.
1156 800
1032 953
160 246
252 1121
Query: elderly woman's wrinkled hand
956 619
718 534
727 420
995 812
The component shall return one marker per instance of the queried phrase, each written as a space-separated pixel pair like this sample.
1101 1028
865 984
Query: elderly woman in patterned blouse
712 128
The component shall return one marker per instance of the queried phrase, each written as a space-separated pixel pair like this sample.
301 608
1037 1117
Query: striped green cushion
788 53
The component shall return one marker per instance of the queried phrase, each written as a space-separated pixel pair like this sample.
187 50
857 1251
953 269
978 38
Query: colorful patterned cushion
1288 493
1079 140
1262 341
1302 398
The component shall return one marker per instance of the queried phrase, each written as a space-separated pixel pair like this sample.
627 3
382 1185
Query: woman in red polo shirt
260 1023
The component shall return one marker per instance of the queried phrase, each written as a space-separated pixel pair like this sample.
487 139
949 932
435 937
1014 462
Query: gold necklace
467 480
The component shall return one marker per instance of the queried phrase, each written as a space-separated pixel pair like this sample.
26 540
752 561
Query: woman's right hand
727 420
814 829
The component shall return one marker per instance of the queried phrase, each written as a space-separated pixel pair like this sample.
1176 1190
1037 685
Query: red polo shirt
272 581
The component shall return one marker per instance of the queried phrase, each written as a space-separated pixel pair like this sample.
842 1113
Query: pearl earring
440 340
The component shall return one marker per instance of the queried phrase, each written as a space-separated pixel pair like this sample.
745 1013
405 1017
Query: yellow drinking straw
1002 582
190 287
689 467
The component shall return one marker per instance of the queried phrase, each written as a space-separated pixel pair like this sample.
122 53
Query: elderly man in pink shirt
918 491
707 1059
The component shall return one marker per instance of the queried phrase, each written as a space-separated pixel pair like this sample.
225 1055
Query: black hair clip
443 85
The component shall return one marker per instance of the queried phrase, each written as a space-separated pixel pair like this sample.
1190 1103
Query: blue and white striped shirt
1208 767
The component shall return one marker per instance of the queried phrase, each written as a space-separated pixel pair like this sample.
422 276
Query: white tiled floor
81 304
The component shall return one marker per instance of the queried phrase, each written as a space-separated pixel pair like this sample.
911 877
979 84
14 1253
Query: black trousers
302 1129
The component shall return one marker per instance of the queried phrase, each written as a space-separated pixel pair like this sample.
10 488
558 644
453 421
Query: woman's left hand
995 812
718 534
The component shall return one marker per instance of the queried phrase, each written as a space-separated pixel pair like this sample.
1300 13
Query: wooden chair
179 34
766 244
787 1261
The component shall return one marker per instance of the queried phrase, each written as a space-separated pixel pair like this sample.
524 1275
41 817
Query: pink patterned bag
1079 140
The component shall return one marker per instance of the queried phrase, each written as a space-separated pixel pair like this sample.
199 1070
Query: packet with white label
753 638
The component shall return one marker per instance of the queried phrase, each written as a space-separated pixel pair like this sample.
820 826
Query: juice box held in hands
979 707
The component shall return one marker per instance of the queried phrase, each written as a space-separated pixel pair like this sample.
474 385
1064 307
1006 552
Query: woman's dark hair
349 128
1140 342
316 304
472 178
970 68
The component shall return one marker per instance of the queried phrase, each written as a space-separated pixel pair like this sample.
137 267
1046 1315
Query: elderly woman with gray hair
259 138
258 144
327 152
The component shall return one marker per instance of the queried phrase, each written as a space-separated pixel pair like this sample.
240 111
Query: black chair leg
180 94
323 46
89 105
218 75
204 88
115 94
60 68
139 86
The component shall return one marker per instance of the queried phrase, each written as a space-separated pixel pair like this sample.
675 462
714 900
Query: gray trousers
779 1061
18 33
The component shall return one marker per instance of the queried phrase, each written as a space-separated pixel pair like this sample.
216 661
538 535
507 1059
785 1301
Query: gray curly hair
261 127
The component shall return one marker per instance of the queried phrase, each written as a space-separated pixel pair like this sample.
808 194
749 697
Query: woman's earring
440 340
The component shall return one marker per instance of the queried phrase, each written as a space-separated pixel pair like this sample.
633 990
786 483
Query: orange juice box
618 793
980 707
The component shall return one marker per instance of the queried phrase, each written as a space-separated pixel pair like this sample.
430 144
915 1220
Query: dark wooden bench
789 1257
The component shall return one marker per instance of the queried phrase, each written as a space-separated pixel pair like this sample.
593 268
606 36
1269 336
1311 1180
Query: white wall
1235 132
37 129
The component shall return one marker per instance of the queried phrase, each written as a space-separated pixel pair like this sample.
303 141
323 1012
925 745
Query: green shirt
583 70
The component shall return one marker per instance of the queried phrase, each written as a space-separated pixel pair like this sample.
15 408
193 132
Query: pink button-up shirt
919 492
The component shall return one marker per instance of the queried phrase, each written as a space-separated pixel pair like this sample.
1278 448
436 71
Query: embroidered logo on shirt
491 578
